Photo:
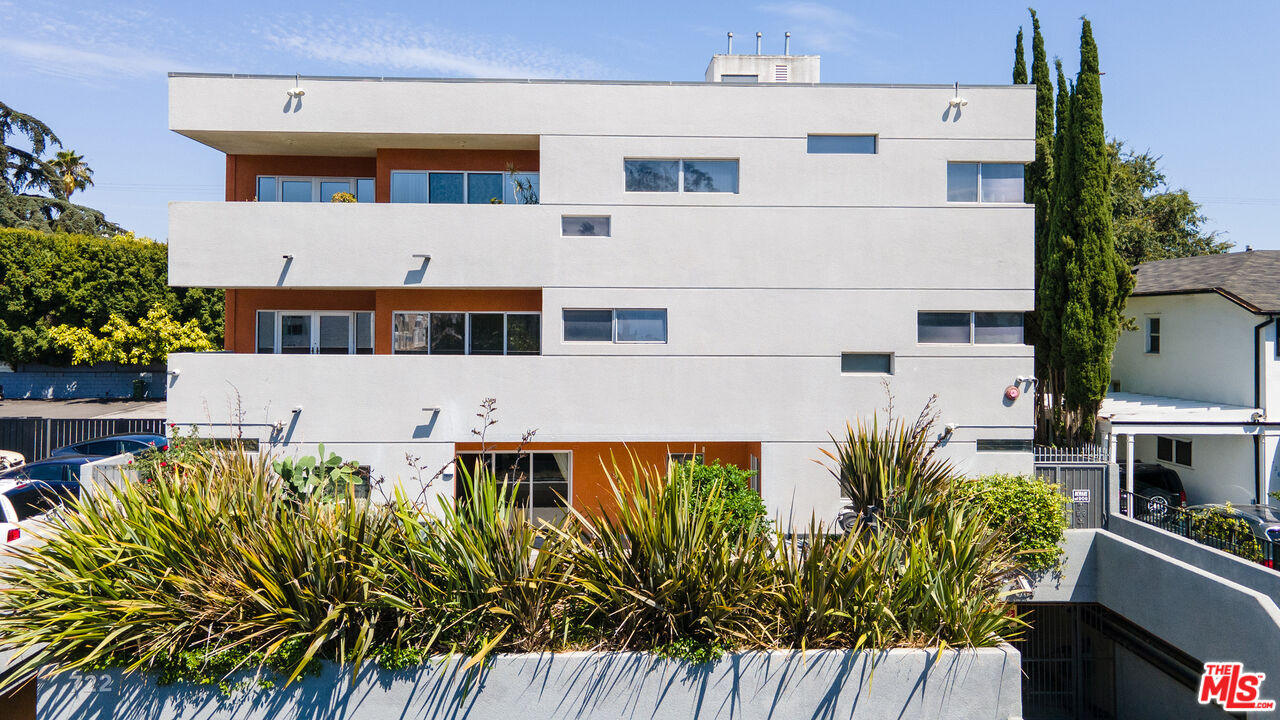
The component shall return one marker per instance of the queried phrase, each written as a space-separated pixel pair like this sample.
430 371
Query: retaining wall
908 685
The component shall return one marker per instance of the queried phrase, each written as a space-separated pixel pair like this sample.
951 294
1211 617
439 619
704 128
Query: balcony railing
1201 527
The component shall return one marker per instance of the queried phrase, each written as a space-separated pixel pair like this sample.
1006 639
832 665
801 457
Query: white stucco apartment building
1196 386
732 268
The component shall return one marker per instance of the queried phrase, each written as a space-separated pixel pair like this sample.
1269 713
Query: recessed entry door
333 336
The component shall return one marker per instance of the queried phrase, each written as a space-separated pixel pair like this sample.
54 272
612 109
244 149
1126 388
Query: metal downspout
1257 402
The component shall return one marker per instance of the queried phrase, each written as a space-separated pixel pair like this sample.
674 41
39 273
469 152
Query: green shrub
1219 528
1032 513
741 506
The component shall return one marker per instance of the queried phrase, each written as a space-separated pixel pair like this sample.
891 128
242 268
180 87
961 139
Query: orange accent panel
243 170
242 317
590 479
406 159
391 301
243 305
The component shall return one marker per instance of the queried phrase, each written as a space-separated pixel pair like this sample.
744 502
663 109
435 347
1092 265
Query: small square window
997 328
1002 182
881 363
642 325
588 325
962 182
1164 449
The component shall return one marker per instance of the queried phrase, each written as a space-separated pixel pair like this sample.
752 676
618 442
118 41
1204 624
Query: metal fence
1086 453
1237 541
35 437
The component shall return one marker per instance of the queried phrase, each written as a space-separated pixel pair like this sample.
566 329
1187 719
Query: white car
25 504
10 459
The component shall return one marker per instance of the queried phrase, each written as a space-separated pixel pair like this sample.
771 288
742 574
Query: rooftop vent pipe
786 45
758 36
730 44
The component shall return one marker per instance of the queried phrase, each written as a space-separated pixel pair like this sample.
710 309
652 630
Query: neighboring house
719 269
1197 385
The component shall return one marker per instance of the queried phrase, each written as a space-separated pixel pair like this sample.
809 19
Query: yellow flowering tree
147 343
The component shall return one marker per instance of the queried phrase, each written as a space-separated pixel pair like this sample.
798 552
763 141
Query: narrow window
588 325
524 334
266 331
295 333
652 175
448 333
409 332
365 190
446 188
962 182
484 188
329 188
1002 445
487 330
295 190
1153 335
842 144
408 187
266 189
364 333
997 328
943 327
881 363
1182 452
584 226
711 176
1002 182
642 325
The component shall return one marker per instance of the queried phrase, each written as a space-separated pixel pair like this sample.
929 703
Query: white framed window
1153 334
466 333
289 188
674 459
842 145
974 182
689 175
314 332
617 325
863 363
464 187
970 328
1173 450
541 480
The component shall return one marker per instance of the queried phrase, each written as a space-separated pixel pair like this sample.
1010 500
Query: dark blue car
62 469
114 445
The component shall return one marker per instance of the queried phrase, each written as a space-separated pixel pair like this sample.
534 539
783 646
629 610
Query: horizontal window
460 333
1003 445
537 479
471 188
881 363
985 182
629 325
740 79
981 328
681 175
584 225
842 144
1173 450
273 188
306 332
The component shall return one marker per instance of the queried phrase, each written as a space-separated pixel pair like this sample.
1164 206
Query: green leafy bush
1032 513
741 506
49 279
1219 528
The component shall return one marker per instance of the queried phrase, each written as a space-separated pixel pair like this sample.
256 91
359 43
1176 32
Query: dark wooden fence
35 437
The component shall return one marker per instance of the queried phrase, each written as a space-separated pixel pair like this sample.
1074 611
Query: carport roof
1158 412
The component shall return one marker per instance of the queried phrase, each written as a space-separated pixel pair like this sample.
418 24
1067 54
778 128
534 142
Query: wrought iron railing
1194 525
1085 453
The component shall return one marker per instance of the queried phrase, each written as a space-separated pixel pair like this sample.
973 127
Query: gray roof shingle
1250 279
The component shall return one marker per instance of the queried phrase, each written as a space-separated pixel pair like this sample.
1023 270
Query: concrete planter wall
907 685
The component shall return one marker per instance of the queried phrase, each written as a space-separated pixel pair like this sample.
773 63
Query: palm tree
75 174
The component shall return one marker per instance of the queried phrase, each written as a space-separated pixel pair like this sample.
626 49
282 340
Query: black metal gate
1081 474
35 437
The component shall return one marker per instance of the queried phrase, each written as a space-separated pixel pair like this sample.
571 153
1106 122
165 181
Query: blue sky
1195 84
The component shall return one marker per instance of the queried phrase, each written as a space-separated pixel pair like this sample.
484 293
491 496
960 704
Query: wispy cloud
90 44
823 27
58 59
392 45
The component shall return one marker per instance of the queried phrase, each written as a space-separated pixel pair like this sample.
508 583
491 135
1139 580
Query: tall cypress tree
1019 62
1051 289
1096 282
1040 175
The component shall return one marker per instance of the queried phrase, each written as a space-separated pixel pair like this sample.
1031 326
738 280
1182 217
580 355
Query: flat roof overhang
1138 414
245 142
